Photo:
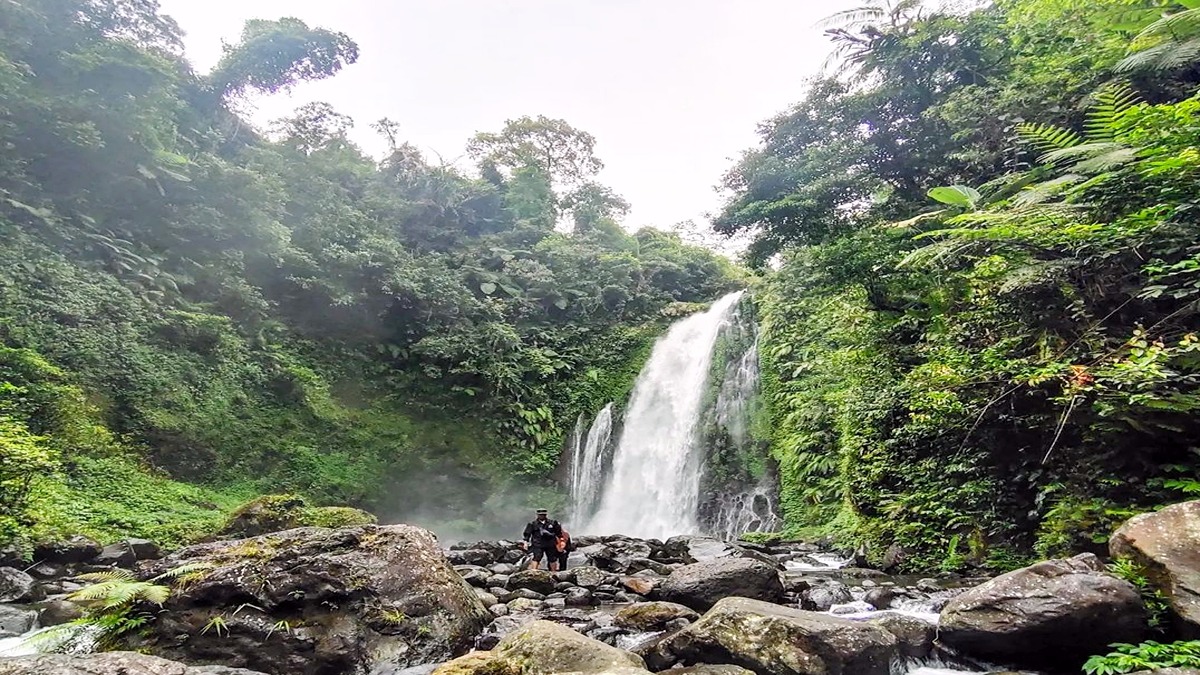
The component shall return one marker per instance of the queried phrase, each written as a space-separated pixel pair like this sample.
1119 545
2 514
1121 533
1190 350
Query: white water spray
653 487
587 463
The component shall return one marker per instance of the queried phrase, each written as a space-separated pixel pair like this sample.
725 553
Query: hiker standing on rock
540 539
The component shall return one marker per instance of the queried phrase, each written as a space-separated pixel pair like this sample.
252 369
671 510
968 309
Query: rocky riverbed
390 600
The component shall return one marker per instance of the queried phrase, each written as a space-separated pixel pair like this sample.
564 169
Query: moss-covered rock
652 616
273 513
544 648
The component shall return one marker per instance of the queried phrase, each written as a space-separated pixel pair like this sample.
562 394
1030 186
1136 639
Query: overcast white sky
672 89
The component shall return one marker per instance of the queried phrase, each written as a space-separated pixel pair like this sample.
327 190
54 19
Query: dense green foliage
980 341
193 312
1146 656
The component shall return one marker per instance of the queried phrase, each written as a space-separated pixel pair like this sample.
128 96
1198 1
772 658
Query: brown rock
1166 544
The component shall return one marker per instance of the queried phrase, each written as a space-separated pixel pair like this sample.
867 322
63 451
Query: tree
275 55
312 126
591 203
565 154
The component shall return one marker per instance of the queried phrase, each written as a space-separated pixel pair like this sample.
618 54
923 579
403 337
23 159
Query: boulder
578 597
16 620
17 586
77 549
474 575
57 611
538 581
914 637
108 663
652 616
769 638
1071 604
471 556
274 513
546 648
1166 544
317 600
822 598
639 585
590 577
710 670
116 555
617 555
880 598
701 585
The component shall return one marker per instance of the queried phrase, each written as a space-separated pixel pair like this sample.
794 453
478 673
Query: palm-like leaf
1107 106
1048 137
1170 43
1092 157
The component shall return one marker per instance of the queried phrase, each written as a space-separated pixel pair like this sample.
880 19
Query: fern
1048 137
1108 105
1170 43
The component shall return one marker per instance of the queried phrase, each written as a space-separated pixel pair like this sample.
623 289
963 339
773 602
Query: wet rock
57 611
1071 604
625 598
822 598
616 555
45 570
486 598
578 597
503 568
711 670
495 631
77 549
590 577
701 585
350 595
647 565
769 638
545 648
539 581
880 598
474 575
1166 544
564 576
144 549
914 636
17 586
116 555
526 594
498 609
475 556
640 585
108 663
928 585
647 617
524 605
16 620
500 580
795 585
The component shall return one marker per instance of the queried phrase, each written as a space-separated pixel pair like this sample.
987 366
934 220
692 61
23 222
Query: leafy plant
1149 655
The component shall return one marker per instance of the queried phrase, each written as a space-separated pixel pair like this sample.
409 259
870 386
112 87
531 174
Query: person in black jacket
539 539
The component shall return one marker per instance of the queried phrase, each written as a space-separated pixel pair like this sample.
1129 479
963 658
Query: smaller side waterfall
738 490
587 462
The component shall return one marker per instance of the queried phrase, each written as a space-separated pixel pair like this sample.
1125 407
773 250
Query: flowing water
587 462
652 489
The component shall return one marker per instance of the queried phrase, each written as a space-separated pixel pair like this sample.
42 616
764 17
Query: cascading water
654 484
587 462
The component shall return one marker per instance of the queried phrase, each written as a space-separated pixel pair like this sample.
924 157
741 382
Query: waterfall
587 462
654 483
739 503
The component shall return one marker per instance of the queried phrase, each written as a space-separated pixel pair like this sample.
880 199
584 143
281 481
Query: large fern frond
1092 157
852 17
188 570
1107 106
1180 25
115 574
1048 137
1040 193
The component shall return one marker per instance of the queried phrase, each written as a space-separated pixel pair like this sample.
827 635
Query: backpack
564 542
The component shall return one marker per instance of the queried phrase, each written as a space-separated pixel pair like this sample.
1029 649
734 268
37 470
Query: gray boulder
914 637
16 620
77 549
590 577
822 598
538 581
1166 544
17 586
1070 604
701 585
108 663
317 600
546 648
780 640
652 616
